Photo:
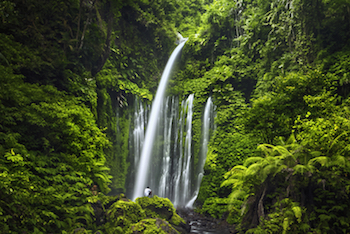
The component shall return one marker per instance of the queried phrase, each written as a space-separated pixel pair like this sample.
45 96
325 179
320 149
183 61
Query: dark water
204 224
200 226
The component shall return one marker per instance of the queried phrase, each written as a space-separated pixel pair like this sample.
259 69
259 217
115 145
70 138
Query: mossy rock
158 207
152 226
122 214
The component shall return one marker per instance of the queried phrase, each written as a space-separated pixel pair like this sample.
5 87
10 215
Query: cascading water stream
207 125
183 173
166 163
164 188
143 167
173 173
138 132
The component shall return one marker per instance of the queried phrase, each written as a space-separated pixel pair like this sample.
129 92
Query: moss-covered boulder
145 215
152 226
122 214
158 207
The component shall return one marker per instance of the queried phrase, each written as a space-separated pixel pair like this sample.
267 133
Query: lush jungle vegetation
278 72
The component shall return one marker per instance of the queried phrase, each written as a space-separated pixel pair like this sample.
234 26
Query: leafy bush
51 154
150 226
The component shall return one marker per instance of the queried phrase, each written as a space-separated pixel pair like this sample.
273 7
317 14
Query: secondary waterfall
182 173
138 135
145 159
207 126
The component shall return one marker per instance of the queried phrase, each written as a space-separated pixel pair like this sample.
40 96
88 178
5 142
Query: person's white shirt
147 192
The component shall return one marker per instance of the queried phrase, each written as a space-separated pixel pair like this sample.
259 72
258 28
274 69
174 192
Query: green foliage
287 49
66 66
229 146
296 169
287 213
273 113
150 226
51 153
215 207
111 79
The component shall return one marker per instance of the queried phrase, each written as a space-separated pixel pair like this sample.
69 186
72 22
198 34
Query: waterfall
182 176
207 126
162 158
144 163
173 173
165 179
140 119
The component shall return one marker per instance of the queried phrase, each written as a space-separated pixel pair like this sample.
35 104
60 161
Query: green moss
122 214
158 207
152 226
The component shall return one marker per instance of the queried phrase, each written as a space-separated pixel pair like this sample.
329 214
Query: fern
238 195
297 212
228 182
322 160
252 160
285 225
301 169
253 169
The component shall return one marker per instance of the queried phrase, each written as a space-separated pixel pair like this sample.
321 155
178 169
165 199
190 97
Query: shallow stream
203 224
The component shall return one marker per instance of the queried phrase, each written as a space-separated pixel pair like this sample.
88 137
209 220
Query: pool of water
202 224
204 227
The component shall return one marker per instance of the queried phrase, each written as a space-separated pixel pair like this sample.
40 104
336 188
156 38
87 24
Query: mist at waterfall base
165 162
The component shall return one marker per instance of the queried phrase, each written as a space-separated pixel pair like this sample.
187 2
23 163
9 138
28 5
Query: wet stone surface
203 224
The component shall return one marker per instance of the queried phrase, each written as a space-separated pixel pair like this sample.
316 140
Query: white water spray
143 168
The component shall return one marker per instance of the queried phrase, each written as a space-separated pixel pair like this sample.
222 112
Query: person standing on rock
147 192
